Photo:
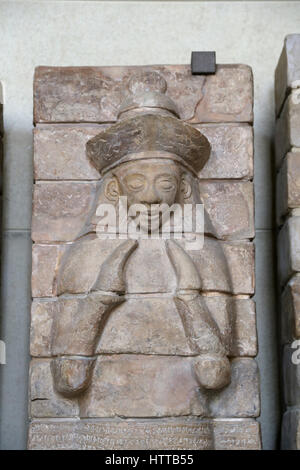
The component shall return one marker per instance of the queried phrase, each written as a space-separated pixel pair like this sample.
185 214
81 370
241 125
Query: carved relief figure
152 158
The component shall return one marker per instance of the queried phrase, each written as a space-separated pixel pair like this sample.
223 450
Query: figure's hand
72 376
188 280
110 278
212 371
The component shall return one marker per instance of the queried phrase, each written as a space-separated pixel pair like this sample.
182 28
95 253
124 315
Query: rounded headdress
148 126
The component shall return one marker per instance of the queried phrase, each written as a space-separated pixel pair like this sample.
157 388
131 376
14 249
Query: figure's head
147 182
150 182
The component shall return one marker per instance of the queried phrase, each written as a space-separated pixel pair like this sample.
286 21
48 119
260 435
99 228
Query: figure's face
149 181
153 183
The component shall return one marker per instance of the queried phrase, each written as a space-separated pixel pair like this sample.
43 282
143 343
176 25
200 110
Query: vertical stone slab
153 331
287 143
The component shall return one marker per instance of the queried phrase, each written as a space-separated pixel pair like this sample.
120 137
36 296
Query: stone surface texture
287 73
94 94
287 151
147 343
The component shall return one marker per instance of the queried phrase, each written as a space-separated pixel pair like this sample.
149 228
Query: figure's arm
76 334
212 366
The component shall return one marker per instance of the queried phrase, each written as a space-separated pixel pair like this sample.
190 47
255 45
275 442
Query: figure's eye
135 182
166 184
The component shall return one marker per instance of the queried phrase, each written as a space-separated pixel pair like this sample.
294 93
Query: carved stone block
54 148
288 185
231 151
45 261
44 401
290 439
168 434
60 210
290 310
289 249
291 376
287 73
224 267
235 318
140 377
94 94
229 207
287 127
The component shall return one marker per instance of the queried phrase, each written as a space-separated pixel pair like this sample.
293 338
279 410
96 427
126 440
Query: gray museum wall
129 33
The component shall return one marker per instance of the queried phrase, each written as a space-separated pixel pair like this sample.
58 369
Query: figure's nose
151 196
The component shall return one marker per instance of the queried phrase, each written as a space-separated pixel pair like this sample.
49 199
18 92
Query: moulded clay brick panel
165 335
169 434
223 266
59 152
116 377
94 94
61 209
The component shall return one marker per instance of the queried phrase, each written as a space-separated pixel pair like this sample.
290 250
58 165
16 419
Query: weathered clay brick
118 376
289 249
230 209
291 375
60 210
59 152
152 434
44 401
290 436
287 133
287 73
231 152
223 266
45 260
290 310
165 335
288 185
42 316
94 94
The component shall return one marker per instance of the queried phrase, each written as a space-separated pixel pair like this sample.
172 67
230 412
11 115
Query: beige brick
45 260
94 94
289 249
291 374
162 334
132 386
290 310
231 152
165 433
288 185
290 432
59 152
287 133
230 209
287 73
223 267
44 401
60 210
